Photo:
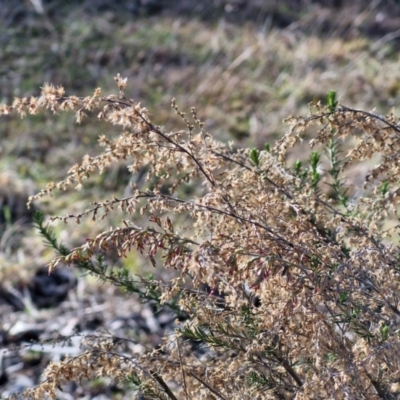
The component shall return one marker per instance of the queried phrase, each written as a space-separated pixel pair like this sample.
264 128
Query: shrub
287 272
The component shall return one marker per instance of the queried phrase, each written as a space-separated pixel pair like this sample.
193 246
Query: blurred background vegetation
244 64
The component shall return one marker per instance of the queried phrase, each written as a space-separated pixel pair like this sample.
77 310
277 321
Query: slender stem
211 389
182 369
161 382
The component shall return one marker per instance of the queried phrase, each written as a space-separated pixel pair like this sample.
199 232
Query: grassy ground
245 68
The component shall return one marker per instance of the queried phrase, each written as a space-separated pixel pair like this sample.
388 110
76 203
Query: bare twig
211 389
161 382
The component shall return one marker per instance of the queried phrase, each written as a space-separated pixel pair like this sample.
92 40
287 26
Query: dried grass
303 284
